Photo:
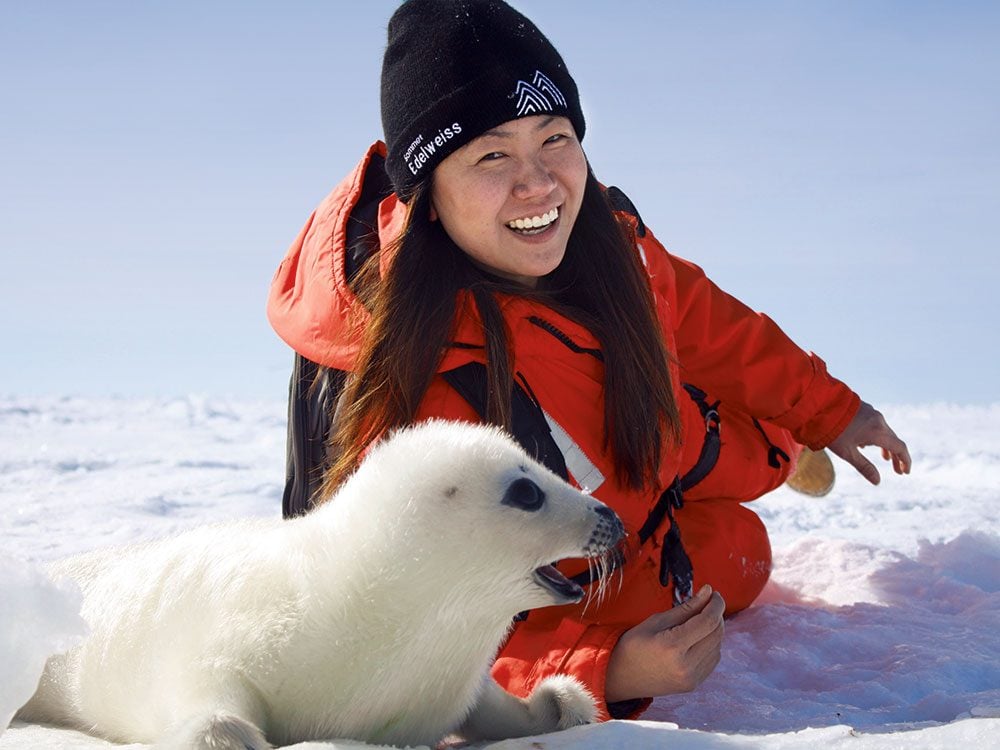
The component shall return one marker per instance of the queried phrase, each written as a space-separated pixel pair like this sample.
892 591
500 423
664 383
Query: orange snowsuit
737 356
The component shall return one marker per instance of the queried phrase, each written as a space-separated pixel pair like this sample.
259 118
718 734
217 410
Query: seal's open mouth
549 578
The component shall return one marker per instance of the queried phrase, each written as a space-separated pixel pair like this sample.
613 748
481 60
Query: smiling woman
472 267
510 197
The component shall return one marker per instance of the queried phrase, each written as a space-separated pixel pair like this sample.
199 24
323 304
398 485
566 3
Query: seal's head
465 504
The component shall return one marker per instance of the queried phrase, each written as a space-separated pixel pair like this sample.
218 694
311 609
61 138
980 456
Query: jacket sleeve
743 357
542 646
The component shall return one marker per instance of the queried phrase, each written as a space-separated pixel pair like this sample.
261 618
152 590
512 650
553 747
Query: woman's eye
492 156
556 138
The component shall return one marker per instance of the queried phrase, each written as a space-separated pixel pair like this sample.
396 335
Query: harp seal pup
375 617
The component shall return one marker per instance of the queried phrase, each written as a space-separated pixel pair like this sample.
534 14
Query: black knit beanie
454 69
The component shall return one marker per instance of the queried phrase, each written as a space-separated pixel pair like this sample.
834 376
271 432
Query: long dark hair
600 284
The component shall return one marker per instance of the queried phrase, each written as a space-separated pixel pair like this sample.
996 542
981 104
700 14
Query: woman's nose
534 180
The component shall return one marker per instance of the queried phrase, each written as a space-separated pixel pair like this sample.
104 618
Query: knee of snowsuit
729 549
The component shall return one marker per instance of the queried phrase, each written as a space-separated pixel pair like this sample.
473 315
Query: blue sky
835 164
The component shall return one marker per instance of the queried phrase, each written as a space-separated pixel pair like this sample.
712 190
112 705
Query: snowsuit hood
311 305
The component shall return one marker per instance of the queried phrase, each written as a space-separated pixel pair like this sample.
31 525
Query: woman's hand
870 428
669 652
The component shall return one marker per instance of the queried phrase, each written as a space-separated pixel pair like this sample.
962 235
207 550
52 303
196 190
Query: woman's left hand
870 428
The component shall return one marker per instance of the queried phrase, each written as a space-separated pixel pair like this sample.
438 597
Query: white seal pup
375 617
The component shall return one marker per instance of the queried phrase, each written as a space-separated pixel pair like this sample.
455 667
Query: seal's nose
606 512
609 527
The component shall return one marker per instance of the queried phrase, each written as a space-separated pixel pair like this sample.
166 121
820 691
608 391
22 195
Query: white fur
375 617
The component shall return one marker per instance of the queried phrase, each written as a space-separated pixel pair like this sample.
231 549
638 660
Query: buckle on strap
675 565
671 498
712 444
712 419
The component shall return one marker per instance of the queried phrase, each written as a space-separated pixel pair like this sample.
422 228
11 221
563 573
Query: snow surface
37 618
880 627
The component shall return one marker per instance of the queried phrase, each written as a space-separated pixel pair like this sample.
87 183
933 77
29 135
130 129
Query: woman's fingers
707 652
700 644
901 461
680 614
870 428
702 624
867 469
893 447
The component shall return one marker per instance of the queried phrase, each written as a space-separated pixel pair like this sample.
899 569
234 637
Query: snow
880 627
37 618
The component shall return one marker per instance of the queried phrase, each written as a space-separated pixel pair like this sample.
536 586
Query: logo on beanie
541 95
420 151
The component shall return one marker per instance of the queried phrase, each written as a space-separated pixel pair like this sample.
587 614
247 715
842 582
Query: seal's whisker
602 568
612 564
591 570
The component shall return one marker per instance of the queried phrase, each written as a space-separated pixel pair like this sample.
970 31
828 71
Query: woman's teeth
531 224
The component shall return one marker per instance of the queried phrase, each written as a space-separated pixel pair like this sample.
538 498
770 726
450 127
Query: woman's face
510 197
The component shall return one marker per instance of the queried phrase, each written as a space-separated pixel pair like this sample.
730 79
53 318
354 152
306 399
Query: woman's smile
533 225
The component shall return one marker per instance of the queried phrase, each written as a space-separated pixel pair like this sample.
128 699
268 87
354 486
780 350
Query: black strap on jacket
675 565
529 426
773 452
713 443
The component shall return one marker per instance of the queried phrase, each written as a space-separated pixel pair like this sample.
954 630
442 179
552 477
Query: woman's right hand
669 652
868 427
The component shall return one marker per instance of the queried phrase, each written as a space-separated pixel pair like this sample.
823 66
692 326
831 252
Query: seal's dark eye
524 494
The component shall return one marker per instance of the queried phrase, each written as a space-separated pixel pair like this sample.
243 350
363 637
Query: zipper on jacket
564 338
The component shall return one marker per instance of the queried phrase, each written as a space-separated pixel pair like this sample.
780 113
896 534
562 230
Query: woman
474 268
